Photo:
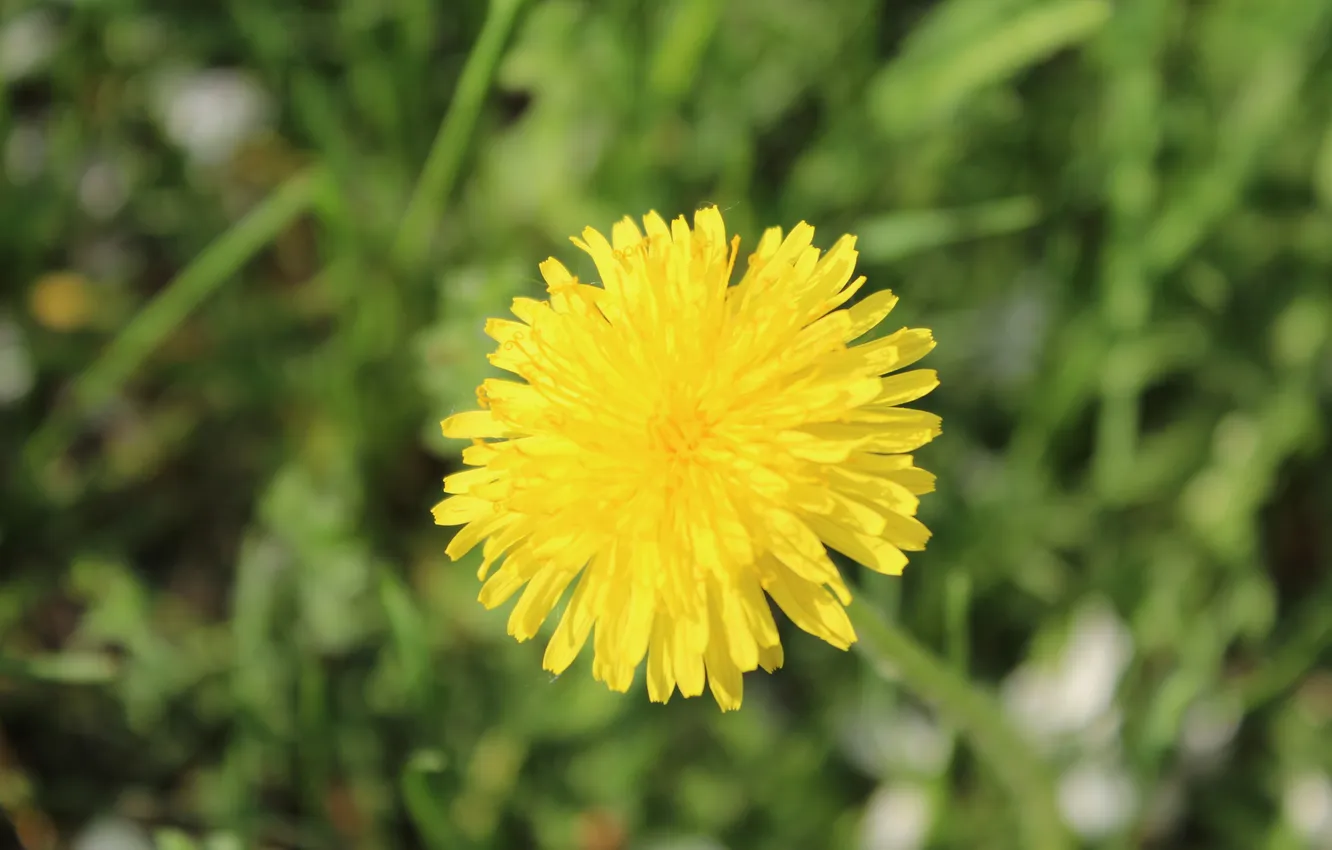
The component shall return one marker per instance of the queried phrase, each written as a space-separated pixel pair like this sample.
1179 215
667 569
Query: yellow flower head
681 447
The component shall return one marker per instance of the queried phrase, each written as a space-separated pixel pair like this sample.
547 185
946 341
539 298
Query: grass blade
155 322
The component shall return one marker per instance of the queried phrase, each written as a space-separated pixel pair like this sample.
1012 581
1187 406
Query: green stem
446 153
151 325
976 714
69 668
1284 666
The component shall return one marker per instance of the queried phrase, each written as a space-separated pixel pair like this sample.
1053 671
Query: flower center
678 434
678 430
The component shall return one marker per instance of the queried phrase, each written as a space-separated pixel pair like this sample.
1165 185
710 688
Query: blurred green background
237 300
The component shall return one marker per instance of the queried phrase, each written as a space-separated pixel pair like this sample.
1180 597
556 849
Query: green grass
226 616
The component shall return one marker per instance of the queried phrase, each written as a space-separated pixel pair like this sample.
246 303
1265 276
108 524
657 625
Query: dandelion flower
680 447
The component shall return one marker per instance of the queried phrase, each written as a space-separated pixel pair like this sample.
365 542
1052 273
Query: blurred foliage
226 617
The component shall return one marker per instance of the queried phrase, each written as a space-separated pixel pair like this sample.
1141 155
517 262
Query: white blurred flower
210 113
112 834
688 843
103 189
1307 804
16 370
1097 800
108 258
25 153
1013 336
1075 693
983 477
905 740
1208 727
26 44
897 817
1164 808
919 744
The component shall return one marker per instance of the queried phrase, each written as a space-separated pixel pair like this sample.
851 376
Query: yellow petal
474 532
529 310
799 548
896 467
808 605
879 555
757 611
543 591
828 277
836 300
881 492
739 640
871 310
687 656
574 627
458 510
879 464
891 353
906 387
480 454
634 638
918 481
819 444
555 274
625 234
624 623
660 673
724 679
708 224
904 433
905 532
504 330
462 482
473 423
507 537
655 225
512 574
603 257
